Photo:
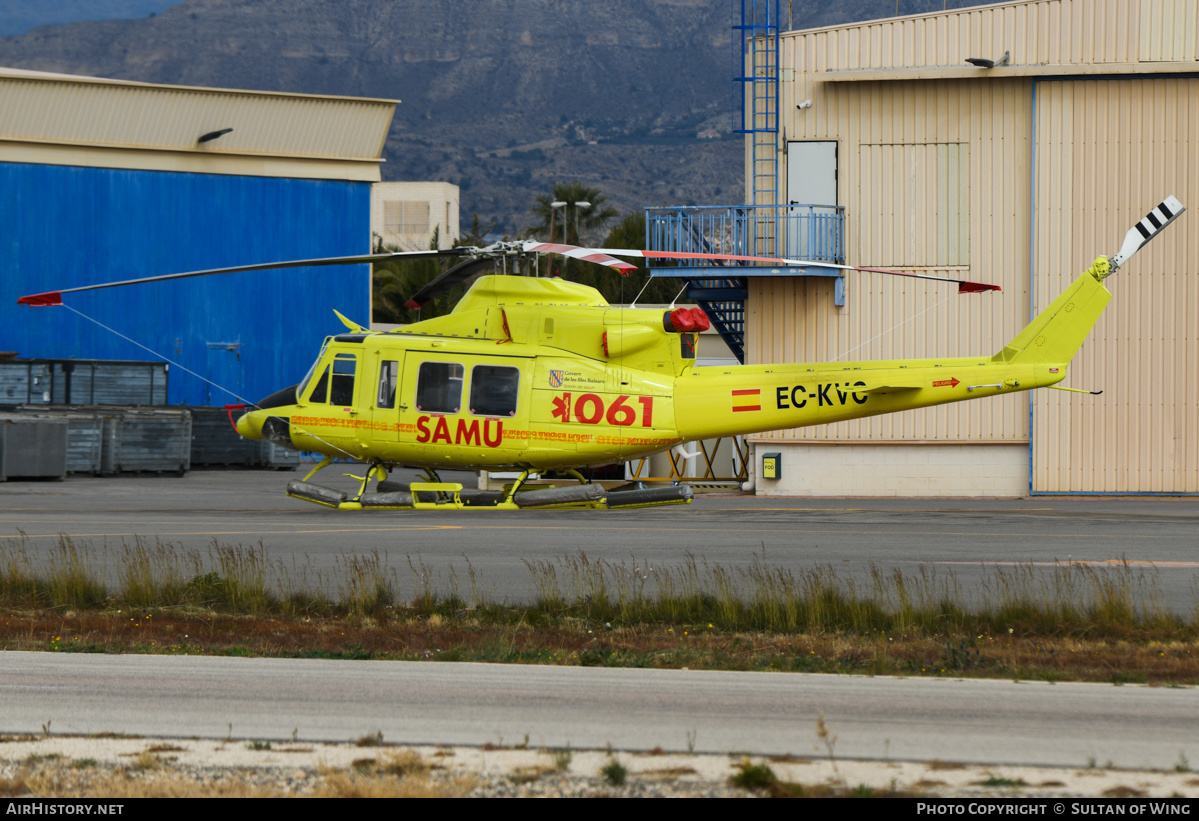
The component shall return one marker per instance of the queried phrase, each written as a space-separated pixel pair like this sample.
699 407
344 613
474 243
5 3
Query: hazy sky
19 16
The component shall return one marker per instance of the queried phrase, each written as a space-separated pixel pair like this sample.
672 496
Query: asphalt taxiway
1157 538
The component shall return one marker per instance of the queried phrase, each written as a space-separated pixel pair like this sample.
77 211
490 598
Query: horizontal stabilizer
890 387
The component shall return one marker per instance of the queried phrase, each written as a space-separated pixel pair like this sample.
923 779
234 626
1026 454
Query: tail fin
1059 331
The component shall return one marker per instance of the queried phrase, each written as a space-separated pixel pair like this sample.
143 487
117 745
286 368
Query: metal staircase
723 300
762 227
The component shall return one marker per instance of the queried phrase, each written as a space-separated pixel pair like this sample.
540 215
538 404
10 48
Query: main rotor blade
459 273
964 286
595 255
55 297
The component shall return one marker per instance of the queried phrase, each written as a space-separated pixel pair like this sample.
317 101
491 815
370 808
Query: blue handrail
810 232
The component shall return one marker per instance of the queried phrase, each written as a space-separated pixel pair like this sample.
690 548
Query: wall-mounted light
212 135
983 62
804 104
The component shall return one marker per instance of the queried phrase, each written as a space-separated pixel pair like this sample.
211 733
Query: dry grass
412 637
398 775
376 786
1068 622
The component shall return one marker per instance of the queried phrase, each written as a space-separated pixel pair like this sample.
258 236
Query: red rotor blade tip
42 300
976 287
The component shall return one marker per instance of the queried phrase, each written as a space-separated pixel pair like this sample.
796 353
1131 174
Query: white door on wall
810 225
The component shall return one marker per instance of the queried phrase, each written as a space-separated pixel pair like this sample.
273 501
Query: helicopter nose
249 425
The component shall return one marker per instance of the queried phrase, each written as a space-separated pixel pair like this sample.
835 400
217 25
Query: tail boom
721 401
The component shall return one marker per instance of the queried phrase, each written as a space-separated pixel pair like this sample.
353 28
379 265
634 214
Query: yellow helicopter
544 375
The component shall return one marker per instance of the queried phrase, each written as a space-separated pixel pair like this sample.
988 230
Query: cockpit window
336 383
303 386
321 392
493 390
439 387
341 390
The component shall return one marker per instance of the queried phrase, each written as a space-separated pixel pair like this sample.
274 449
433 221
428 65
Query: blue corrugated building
104 180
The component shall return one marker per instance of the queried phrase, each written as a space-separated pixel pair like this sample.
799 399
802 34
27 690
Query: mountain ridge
501 97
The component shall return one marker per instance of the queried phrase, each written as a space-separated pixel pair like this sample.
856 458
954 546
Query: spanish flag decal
747 400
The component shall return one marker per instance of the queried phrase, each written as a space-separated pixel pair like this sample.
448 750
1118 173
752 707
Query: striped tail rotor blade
1149 227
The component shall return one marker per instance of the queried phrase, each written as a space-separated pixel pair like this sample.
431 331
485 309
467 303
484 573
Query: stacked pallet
107 439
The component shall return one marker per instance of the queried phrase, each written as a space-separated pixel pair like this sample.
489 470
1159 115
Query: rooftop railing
807 232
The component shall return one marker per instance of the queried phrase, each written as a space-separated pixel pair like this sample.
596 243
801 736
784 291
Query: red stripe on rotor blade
976 287
42 300
604 259
593 255
551 248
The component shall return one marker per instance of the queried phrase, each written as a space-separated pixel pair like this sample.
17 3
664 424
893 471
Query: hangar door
1107 151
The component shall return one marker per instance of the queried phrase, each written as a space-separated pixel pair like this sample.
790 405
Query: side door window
494 390
389 377
439 387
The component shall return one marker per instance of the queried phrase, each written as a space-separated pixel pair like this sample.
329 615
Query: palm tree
579 219
584 211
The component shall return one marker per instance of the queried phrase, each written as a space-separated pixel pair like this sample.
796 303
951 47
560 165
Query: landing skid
435 494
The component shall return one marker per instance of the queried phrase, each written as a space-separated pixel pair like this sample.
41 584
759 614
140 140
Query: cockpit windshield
308 376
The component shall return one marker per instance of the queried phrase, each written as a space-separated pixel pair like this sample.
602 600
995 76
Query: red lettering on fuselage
499 433
468 432
441 433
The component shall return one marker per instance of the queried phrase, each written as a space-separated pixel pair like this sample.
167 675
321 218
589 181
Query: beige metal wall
1035 32
305 135
1107 151
936 171
1167 29
918 184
